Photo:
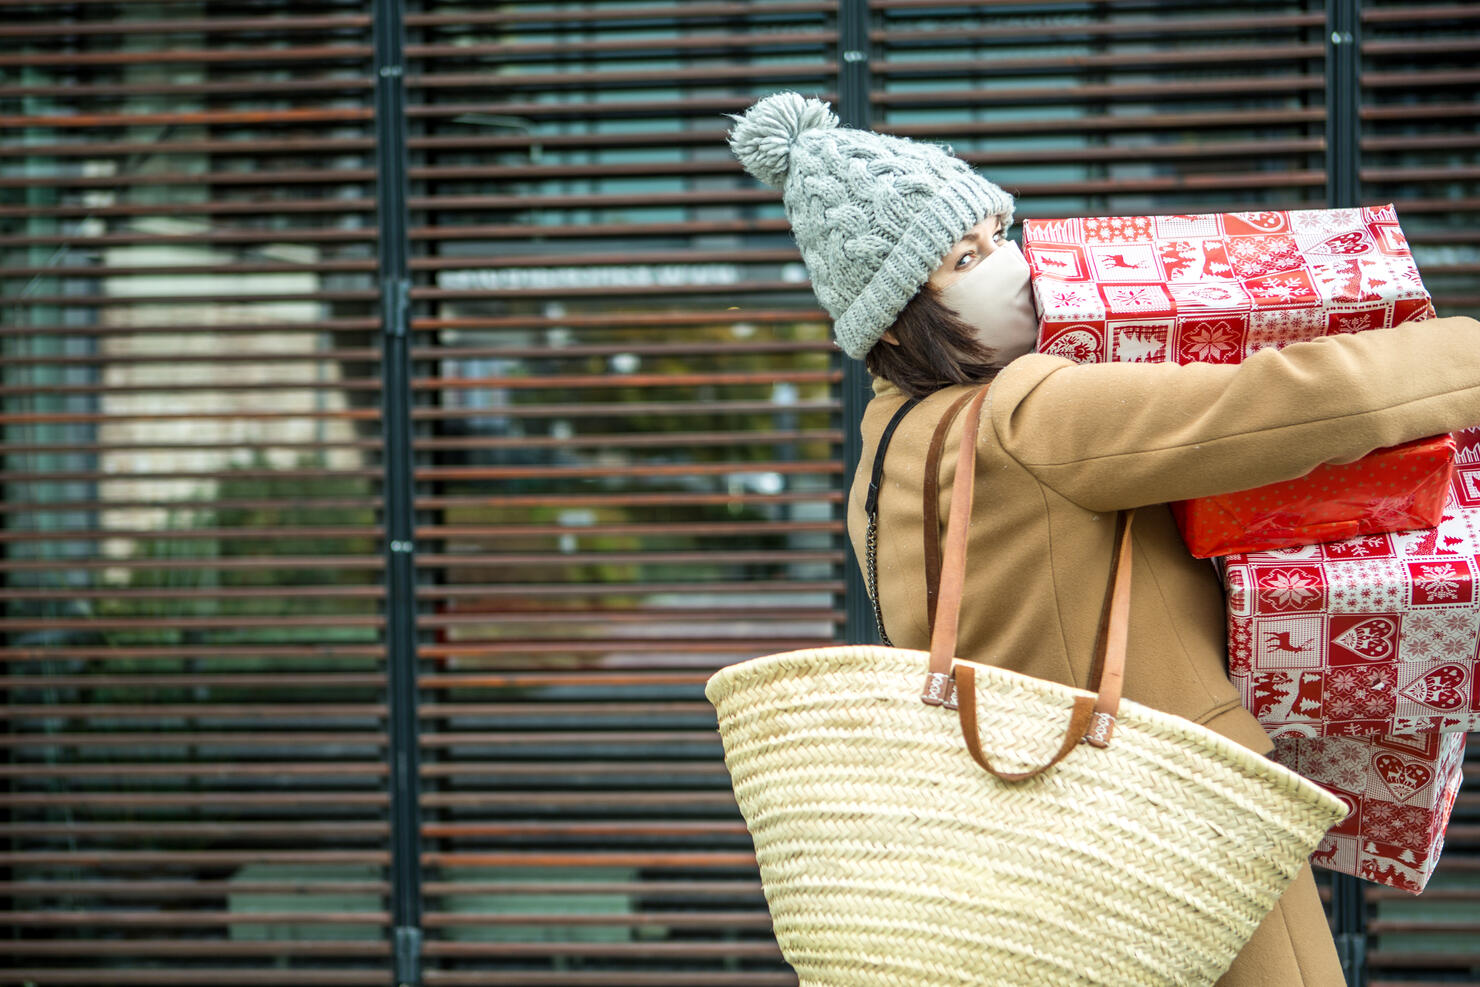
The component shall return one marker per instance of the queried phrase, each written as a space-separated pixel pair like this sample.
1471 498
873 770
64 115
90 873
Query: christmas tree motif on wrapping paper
1215 260
1371 283
1139 346
1054 264
1307 703
1054 230
1342 278
1397 867
1429 542
1270 691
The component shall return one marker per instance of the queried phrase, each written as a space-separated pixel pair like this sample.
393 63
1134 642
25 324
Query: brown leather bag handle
1092 719
932 506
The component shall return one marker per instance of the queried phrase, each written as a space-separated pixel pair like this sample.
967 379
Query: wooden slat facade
627 438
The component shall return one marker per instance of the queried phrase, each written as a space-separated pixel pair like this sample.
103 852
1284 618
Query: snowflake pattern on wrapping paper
1440 582
1210 342
1383 820
1436 582
1366 585
1240 644
1358 548
1453 636
1319 224
1356 322
1284 288
1073 298
1256 256
1136 298
1289 589
1116 229
1278 328
1361 693
1342 762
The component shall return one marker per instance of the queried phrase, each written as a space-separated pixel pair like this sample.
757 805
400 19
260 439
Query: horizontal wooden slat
682 950
1045 63
486 531
255 831
195 738
256 56
635 920
98 888
223 948
604 978
1065 29
273 26
120 919
196 975
218 680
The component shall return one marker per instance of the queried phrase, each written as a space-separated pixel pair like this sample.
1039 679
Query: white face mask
995 299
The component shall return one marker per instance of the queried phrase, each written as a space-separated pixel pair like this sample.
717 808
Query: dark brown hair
936 349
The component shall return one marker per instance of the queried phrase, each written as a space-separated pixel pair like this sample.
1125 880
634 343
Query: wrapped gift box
1393 489
1217 287
1371 635
1399 792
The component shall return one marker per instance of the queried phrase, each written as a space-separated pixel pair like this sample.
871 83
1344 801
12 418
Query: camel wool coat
1063 447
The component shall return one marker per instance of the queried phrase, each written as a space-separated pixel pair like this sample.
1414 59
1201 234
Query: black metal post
1343 190
1343 102
400 606
853 111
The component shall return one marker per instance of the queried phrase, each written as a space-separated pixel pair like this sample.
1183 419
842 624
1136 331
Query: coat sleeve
1120 435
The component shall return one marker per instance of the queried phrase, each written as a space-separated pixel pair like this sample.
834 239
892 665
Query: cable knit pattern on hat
872 214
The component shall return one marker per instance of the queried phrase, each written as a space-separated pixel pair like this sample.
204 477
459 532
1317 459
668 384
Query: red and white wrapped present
1395 489
1217 287
1399 792
1368 636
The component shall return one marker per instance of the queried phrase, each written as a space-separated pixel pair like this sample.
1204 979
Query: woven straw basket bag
1135 848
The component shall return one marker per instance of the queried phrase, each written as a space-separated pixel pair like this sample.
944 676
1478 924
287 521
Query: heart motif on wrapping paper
1347 244
1269 221
1439 689
1402 778
1076 344
1375 639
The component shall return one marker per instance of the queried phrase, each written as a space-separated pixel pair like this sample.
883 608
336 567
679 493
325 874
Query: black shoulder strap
871 507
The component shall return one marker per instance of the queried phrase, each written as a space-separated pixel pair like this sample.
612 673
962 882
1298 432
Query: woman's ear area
889 337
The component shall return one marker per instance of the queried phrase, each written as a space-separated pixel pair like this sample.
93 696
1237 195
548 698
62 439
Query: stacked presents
1353 614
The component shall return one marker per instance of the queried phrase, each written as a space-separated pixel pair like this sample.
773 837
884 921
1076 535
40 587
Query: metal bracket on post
853 111
399 491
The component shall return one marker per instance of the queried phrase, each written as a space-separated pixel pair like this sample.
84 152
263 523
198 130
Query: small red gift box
1399 791
1394 489
1216 287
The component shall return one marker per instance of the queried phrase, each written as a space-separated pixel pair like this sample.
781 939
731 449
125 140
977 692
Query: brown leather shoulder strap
1093 719
932 504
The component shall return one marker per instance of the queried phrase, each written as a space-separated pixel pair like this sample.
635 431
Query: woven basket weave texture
889 858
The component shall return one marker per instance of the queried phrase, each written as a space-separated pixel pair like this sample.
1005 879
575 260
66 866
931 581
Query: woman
906 248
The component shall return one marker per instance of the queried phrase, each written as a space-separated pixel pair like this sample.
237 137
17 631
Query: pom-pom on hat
874 215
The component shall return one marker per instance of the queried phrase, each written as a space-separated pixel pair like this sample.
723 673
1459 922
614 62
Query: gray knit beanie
873 215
